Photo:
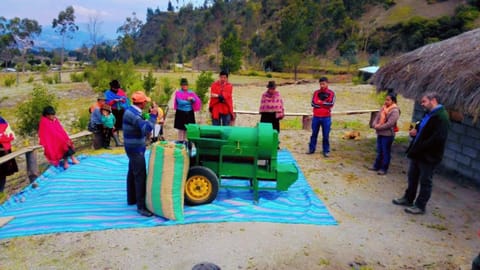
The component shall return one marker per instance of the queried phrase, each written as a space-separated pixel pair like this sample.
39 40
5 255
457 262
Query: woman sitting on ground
56 143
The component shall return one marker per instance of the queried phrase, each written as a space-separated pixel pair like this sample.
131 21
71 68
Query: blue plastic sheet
92 196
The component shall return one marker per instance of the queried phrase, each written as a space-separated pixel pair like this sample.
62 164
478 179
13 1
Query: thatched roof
450 67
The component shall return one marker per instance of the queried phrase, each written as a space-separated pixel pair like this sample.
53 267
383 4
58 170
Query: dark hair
392 96
323 79
114 84
183 81
432 95
223 72
49 110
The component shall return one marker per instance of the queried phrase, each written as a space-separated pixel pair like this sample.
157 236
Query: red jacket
322 102
217 107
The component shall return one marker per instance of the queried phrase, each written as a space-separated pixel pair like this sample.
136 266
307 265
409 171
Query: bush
204 81
269 75
82 122
77 77
99 76
47 79
29 112
9 80
149 82
30 79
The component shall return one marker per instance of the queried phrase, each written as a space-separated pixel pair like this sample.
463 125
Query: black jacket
429 147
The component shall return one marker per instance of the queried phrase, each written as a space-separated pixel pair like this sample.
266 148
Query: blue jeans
223 120
419 172
325 123
137 179
384 149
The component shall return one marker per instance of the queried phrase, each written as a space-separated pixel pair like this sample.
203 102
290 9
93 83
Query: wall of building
462 152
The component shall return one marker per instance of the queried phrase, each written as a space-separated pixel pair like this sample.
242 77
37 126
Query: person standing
385 125
9 167
118 101
108 122
186 103
56 143
425 153
136 128
322 102
221 101
271 106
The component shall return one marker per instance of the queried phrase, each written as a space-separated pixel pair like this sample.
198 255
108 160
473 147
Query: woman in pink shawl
185 104
56 143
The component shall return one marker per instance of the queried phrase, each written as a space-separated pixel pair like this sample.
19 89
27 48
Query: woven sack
167 171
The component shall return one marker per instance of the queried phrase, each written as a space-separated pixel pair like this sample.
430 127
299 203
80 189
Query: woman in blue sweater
185 104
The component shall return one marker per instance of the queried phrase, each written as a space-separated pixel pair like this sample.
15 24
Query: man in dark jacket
425 153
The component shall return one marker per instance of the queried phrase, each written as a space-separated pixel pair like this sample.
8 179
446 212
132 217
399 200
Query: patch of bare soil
372 233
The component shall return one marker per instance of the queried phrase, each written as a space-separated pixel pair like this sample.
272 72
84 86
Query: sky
111 13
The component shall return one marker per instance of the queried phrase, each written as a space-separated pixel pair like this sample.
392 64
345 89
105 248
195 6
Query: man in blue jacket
425 153
136 127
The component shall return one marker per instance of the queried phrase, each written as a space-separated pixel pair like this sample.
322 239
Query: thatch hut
452 69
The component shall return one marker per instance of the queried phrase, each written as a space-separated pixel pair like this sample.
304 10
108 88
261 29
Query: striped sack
167 171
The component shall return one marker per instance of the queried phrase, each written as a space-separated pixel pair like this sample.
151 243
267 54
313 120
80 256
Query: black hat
114 84
183 81
323 79
271 84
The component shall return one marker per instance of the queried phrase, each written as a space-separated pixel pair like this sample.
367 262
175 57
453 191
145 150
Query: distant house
452 69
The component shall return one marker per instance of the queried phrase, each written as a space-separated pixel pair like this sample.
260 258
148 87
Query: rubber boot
117 140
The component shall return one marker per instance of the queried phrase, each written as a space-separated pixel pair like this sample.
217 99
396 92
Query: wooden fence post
32 167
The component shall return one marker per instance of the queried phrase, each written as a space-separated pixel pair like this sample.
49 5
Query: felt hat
271 85
183 81
106 107
139 97
114 84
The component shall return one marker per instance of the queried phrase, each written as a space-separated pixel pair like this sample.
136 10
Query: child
108 121
157 132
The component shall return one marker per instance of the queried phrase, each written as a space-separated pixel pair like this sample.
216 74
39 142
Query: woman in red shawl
54 139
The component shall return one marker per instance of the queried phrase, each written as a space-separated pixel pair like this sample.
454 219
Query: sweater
135 129
322 102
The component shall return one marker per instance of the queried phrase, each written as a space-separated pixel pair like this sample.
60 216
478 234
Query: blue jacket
135 130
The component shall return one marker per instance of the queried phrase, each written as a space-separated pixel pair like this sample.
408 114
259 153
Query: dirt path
372 232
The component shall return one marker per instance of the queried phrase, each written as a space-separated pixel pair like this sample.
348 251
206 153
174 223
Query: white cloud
83 14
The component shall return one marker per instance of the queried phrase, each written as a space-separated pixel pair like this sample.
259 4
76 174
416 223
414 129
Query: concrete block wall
462 152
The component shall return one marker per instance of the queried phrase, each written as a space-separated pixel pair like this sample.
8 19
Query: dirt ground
372 233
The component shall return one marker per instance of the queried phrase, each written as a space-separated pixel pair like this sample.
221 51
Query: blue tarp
92 196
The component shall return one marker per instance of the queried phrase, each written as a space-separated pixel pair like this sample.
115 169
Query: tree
130 30
17 34
231 48
294 32
93 27
65 26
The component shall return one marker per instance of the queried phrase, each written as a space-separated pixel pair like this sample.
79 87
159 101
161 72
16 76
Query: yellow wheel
201 186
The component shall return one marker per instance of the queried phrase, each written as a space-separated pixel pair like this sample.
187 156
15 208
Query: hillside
271 34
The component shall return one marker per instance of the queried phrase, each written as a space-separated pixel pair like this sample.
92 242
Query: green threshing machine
226 152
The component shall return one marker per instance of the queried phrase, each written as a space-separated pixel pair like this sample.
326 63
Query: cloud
83 14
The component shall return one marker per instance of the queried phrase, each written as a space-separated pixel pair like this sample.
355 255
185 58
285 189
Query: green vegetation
29 112
204 80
